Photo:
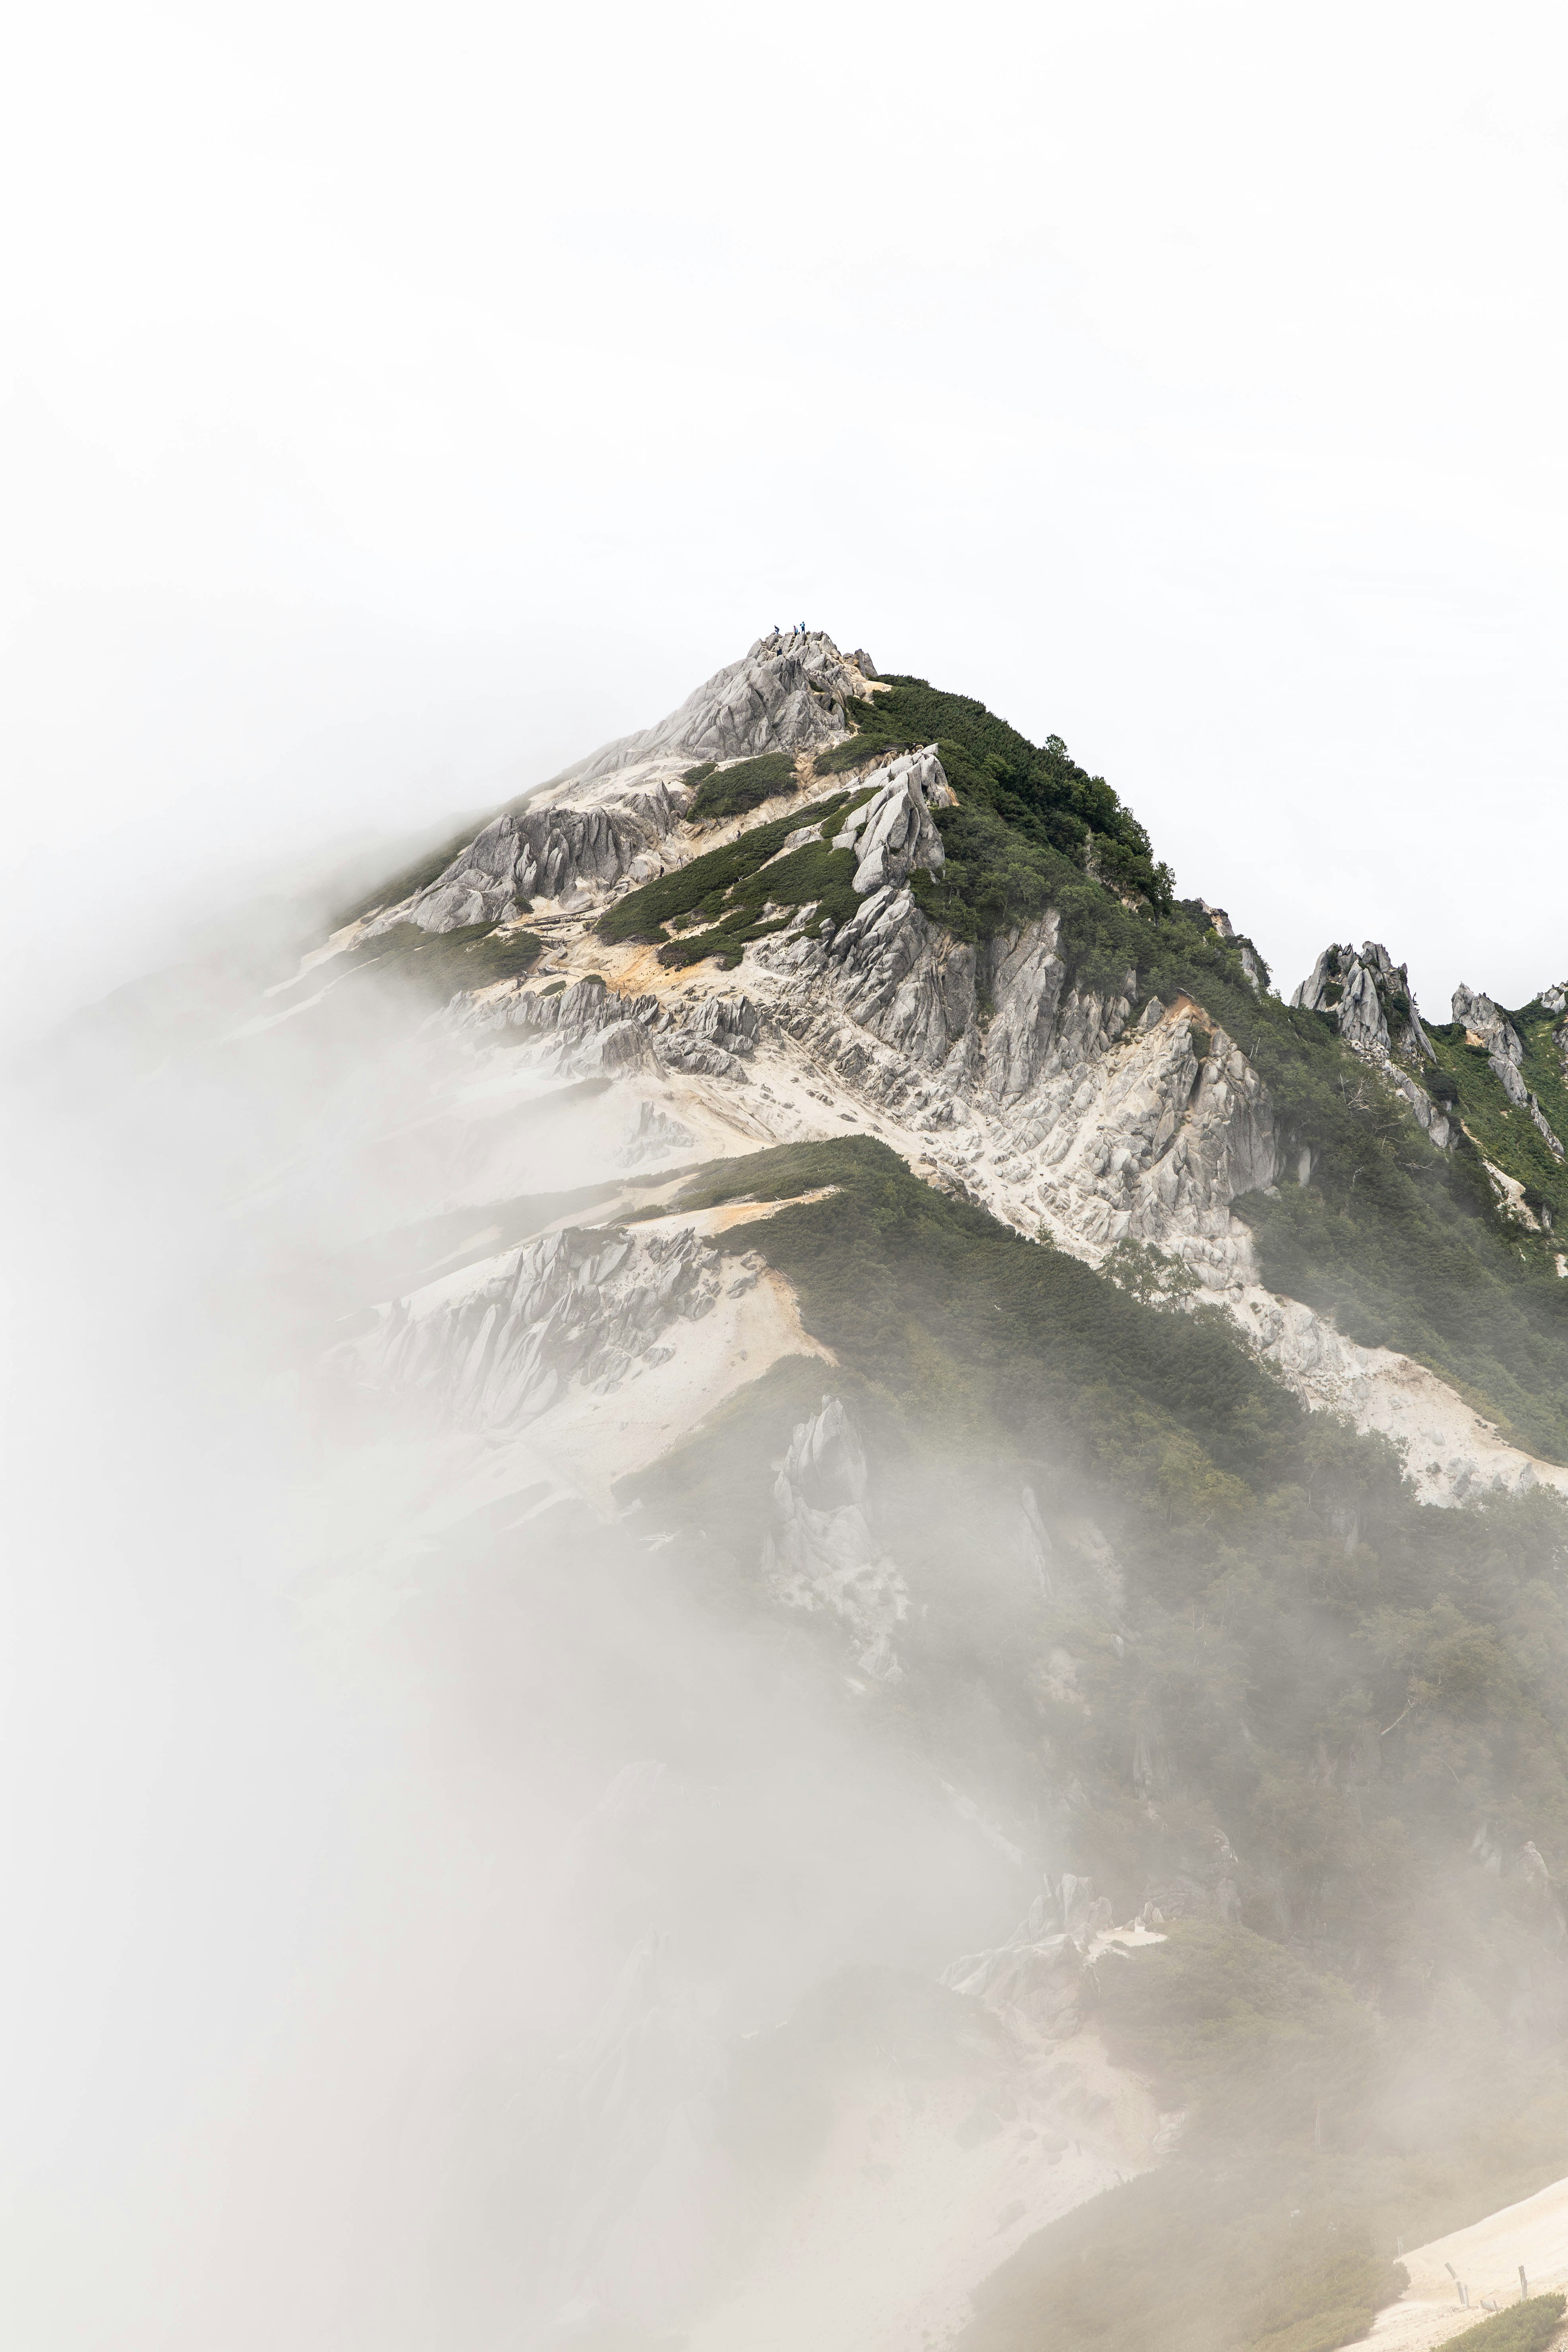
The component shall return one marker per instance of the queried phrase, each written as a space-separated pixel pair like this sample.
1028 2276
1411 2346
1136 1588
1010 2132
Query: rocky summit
838 1198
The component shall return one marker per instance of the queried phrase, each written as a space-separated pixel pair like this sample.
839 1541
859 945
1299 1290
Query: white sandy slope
900 2219
1486 2258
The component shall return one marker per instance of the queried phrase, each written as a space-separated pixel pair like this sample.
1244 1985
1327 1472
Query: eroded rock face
497 1347
591 1031
822 1553
1055 1105
550 852
1355 991
1370 1002
787 694
1488 1024
892 832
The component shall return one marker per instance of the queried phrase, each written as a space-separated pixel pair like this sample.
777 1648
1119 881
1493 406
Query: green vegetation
1507 1134
730 792
1519 2328
725 891
1262 2236
475 956
1039 793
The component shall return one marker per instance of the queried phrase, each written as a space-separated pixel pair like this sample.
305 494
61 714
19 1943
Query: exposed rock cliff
1486 1024
557 850
1370 1002
821 1553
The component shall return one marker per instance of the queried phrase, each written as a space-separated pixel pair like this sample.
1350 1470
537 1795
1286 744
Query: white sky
401 401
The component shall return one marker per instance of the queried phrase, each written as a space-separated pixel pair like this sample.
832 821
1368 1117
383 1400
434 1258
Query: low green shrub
730 792
447 962
642 914
1519 2328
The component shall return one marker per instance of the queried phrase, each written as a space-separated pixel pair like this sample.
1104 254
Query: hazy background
398 401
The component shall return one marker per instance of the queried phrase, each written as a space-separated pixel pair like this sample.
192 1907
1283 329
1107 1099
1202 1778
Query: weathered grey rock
1351 989
821 1553
591 1030
1108 1134
586 1305
892 832
654 1135
787 694
1486 1024
1359 992
1039 1978
549 851
1034 1544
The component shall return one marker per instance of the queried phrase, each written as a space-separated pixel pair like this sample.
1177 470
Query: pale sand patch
1486 2256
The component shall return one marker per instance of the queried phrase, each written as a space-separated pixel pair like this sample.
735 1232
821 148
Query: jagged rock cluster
1371 1001
892 832
553 852
1359 992
821 1552
499 1346
1038 1973
593 1033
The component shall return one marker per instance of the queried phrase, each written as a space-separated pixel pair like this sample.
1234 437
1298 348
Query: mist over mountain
820 1594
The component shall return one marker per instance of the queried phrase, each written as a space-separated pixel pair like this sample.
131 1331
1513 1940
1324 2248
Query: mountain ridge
1137 1403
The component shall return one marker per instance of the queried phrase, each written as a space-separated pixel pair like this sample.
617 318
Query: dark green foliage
1504 1132
1519 2328
860 750
1041 794
726 891
1401 1245
814 873
445 962
730 792
1255 2047
1403 1266
1189 2263
642 914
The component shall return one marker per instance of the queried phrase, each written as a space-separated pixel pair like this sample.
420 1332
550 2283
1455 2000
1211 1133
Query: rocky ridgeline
787 694
609 820
1068 1110
1051 1103
553 852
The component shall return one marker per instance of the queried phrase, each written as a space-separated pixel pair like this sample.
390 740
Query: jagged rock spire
1487 1025
1370 999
